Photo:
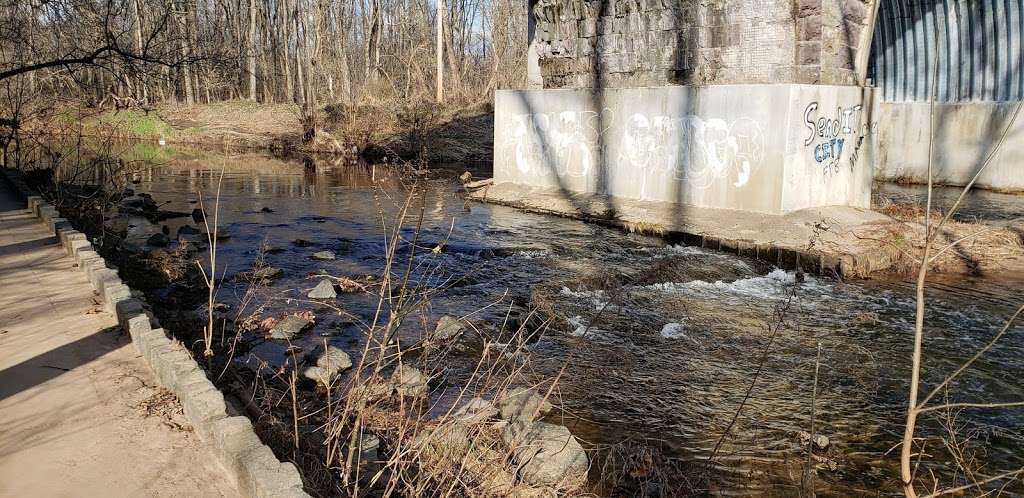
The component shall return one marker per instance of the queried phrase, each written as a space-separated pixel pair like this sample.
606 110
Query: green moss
148 152
135 123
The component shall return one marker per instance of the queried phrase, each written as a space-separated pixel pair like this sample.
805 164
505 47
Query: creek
663 340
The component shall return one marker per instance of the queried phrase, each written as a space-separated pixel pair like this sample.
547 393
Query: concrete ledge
824 241
33 202
233 438
67 237
250 464
76 245
58 224
115 294
103 277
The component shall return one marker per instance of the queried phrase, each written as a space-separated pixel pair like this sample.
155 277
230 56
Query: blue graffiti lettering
829 150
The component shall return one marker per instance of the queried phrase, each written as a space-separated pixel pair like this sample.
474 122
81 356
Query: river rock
409 382
546 454
448 328
140 202
821 442
317 375
333 362
477 410
369 458
188 230
289 327
451 440
523 404
324 255
267 273
323 290
166 214
158 240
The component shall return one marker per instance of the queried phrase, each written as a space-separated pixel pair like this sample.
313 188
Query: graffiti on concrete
565 140
828 134
695 150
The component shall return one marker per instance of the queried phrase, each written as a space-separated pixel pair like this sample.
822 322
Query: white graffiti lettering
696 150
566 141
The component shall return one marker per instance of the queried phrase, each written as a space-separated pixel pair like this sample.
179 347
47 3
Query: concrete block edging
250 463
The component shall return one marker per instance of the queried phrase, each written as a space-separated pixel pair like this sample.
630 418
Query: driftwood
479 184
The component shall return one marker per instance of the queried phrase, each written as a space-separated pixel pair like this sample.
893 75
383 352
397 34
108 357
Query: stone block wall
632 43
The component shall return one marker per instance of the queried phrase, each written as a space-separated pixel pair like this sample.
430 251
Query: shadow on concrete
601 203
27 245
53 363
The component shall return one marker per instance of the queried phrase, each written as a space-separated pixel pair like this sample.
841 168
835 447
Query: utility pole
440 50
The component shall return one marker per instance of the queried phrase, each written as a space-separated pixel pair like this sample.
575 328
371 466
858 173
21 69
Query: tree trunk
285 41
300 73
186 73
251 50
136 13
439 47
373 43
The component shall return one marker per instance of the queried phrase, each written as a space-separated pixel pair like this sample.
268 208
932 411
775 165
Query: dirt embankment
375 132
958 247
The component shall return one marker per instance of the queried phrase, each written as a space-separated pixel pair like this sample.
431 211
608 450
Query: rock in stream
323 290
289 327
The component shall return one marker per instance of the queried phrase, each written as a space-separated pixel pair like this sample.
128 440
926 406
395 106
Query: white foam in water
684 250
673 330
579 326
769 286
596 298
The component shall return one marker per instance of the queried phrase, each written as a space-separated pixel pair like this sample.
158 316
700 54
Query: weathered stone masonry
631 43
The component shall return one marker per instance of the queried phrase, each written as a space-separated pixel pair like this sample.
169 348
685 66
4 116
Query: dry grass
972 248
164 405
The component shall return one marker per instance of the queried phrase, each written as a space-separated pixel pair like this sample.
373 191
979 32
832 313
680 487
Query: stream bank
374 131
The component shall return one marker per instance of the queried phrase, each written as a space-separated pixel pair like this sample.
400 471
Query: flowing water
669 351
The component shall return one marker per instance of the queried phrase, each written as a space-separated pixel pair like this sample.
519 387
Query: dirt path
80 413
